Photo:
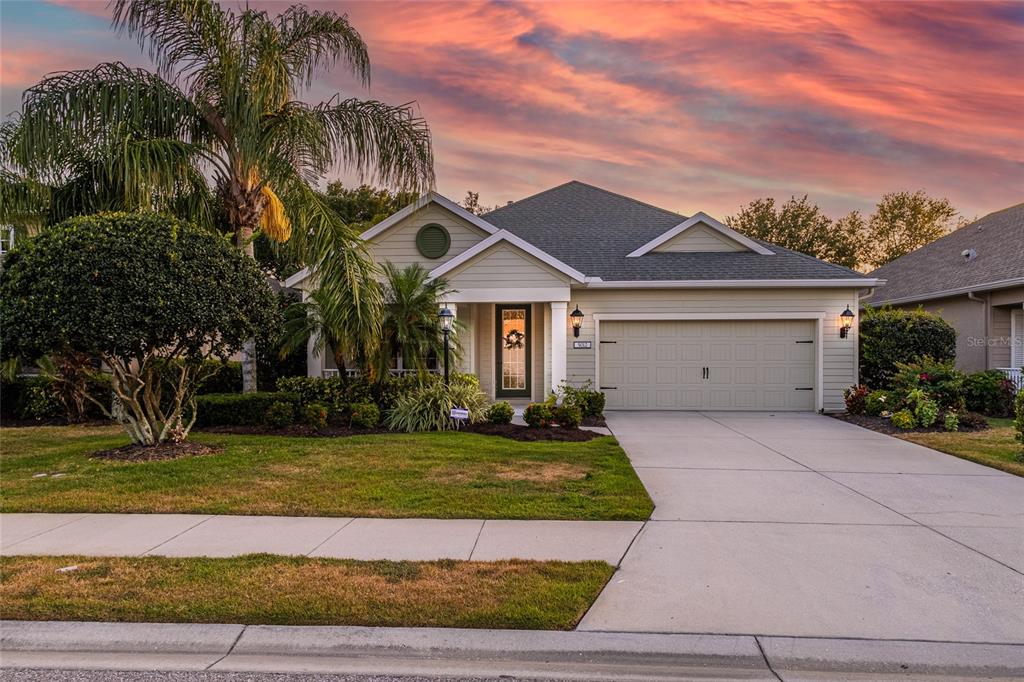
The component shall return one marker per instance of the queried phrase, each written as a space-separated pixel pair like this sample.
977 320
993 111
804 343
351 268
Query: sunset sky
690 106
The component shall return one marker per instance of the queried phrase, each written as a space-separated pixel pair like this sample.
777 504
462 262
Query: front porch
517 349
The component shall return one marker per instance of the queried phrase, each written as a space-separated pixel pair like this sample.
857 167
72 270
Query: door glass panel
513 349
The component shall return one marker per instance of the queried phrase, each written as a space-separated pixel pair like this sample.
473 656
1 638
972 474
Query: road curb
547 655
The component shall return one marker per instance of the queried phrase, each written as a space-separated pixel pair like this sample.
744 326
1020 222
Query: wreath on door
514 339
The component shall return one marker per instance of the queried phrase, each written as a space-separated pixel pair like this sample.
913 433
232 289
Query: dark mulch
525 433
153 453
882 425
595 421
294 430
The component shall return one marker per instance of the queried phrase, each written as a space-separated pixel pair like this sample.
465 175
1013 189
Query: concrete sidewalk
490 653
343 538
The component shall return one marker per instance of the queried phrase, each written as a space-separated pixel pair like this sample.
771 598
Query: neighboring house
974 278
677 312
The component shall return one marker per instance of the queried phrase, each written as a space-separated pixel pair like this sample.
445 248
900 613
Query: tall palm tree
222 107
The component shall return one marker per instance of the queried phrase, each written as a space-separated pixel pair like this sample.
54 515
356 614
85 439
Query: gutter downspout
988 323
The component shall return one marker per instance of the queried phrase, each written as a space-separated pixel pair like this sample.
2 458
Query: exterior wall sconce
845 322
576 317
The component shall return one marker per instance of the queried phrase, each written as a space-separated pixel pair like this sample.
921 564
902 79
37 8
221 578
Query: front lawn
994 447
430 475
274 590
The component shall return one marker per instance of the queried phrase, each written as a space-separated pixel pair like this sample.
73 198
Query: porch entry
513 345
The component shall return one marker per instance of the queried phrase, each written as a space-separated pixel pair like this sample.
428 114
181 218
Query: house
974 278
673 312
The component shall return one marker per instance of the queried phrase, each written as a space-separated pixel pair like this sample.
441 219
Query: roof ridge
589 186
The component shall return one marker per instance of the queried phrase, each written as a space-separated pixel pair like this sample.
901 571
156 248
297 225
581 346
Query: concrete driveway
803 525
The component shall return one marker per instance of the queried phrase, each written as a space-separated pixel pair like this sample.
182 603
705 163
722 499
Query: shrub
856 397
972 421
889 335
1018 423
500 413
237 409
279 415
148 295
539 415
364 415
568 416
589 401
428 407
940 380
222 377
904 419
927 412
989 393
315 415
951 422
877 402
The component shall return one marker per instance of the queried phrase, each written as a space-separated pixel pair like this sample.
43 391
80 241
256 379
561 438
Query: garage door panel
752 364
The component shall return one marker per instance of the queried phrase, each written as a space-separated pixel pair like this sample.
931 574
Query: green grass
994 447
266 589
432 475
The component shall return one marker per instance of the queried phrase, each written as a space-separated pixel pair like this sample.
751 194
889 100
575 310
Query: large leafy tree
148 295
218 134
905 221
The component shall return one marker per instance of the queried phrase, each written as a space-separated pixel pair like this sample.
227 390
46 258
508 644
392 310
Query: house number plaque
581 344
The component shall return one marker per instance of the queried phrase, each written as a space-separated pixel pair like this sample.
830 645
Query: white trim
559 321
296 278
506 236
733 283
973 289
428 198
509 295
1016 337
818 317
701 218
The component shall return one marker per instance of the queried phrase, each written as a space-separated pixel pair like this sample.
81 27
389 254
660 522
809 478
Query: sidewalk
490 653
343 538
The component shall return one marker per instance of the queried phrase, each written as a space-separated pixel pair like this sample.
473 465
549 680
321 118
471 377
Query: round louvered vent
433 240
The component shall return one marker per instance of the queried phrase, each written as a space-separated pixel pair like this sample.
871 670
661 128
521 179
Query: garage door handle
609 388
809 388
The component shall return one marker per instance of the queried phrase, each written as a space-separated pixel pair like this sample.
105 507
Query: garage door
705 365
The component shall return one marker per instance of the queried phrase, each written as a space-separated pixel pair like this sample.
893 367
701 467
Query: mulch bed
154 453
527 434
883 425
294 430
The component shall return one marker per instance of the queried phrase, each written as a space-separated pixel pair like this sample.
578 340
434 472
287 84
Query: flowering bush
856 397
904 419
877 402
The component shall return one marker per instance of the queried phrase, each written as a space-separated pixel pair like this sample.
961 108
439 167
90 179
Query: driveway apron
803 525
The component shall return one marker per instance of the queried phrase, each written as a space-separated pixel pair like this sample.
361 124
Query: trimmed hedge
228 378
238 409
889 336
37 397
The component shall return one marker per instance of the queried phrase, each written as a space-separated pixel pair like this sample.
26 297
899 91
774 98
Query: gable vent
433 241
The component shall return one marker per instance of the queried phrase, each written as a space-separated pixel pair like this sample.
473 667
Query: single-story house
674 312
974 278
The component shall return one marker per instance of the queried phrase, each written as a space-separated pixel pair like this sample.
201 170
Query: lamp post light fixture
447 319
845 322
576 317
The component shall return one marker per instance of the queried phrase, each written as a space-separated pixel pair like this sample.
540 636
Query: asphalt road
37 675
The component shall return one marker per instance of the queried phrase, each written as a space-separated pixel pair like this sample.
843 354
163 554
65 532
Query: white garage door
705 365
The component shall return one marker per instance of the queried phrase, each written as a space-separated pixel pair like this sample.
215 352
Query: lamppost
447 319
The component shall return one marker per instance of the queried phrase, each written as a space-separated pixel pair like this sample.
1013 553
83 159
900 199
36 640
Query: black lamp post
447 318
576 317
845 322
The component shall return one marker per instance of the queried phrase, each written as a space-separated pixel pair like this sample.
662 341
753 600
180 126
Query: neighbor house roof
941 268
595 231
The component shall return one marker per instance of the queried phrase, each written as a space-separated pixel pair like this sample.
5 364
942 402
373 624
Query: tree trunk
244 242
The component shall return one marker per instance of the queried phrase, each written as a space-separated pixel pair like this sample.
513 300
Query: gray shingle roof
998 241
593 229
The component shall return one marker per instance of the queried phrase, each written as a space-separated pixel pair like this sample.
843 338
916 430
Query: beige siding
968 317
504 266
839 355
398 245
701 238
999 355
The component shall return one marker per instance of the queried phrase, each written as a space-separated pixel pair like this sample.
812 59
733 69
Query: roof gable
518 245
707 224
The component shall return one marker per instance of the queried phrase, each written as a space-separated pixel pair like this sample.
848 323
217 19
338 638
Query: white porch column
314 359
559 320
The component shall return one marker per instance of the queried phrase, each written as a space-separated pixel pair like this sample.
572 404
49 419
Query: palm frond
314 41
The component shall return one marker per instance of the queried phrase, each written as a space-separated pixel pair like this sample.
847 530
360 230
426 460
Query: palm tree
409 323
218 131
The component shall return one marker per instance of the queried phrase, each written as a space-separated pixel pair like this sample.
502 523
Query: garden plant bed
387 475
883 425
275 590
154 453
528 434
295 430
595 421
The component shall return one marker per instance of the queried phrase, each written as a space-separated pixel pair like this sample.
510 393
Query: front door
512 328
